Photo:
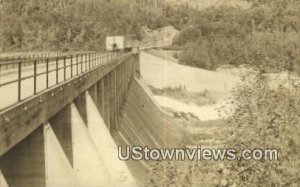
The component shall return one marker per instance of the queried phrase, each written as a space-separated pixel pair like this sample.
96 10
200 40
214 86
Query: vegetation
266 118
51 25
267 34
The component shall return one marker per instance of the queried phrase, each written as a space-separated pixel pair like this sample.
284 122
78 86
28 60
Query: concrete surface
143 123
87 162
24 165
161 73
59 172
204 113
3 182
106 146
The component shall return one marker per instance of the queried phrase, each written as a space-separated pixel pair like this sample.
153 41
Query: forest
266 34
63 25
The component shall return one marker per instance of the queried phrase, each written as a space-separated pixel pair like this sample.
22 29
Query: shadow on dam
144 123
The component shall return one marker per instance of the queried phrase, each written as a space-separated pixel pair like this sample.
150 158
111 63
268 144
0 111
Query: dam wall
68 134
62 136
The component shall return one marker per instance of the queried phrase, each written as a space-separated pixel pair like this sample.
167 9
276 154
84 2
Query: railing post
77 64
97 59
81 63
65 76
89 61
93 60
34 76
47 73
71 65
86 62
19 80
56 69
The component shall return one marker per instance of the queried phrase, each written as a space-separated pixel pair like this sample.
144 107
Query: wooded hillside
28 25
267 34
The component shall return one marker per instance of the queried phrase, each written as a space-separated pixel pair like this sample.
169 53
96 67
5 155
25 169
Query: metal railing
59 67
6 57
9 57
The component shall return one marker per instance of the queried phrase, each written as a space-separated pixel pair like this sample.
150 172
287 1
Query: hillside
49 25
265 35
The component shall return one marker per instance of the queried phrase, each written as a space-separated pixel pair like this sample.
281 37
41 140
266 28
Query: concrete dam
70 113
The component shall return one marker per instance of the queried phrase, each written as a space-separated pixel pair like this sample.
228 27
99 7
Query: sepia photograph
149 93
